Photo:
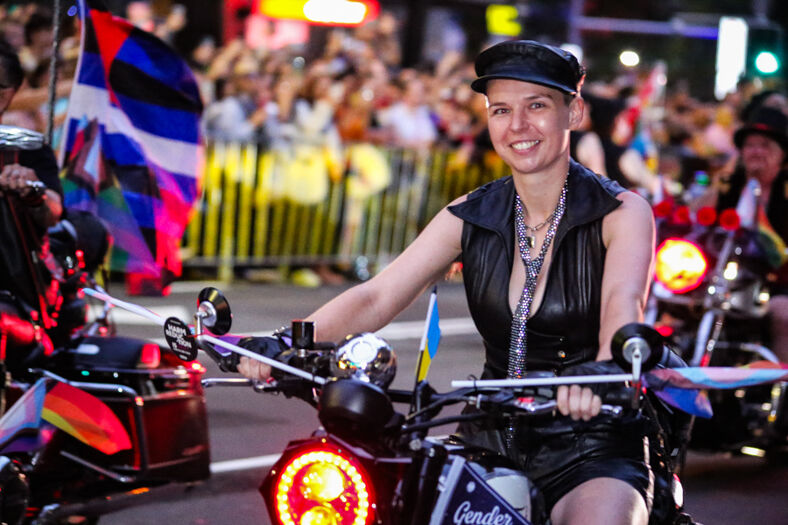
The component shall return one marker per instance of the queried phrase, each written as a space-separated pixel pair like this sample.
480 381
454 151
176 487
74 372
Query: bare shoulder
633 217
458 200
633 207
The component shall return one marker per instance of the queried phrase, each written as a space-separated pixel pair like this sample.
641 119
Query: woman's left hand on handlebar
578 402
252 369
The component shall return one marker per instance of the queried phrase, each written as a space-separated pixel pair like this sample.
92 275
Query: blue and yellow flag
432 336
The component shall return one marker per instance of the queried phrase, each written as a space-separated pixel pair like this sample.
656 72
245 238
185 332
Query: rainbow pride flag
770 241
74 411
684 388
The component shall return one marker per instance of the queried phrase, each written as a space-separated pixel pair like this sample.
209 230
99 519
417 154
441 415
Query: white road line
398 331
234 465
124 317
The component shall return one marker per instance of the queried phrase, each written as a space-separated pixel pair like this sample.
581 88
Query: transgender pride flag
132 151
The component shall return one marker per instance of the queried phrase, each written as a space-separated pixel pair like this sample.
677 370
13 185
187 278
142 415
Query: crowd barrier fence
267 208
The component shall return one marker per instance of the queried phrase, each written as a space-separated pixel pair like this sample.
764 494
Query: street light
629 58
767 62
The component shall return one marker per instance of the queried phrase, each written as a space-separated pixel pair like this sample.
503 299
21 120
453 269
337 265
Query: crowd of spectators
357 90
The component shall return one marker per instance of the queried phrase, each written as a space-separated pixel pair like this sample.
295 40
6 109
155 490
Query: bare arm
637 172
591 154
371 305
628 233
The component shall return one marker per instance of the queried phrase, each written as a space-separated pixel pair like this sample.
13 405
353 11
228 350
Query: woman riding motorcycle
586 247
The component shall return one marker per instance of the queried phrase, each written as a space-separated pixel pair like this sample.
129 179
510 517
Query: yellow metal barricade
251 215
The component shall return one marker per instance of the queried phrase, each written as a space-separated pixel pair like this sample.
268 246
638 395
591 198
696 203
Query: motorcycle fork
420 486
708 334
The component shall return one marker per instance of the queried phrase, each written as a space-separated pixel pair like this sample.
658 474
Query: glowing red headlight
323 486
680 265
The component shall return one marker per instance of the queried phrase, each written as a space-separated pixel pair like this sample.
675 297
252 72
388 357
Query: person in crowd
585 145
239 114
550 246
763 149
623 163
409 121
39 39
12 31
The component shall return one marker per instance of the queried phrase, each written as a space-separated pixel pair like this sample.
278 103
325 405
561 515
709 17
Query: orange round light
680 265
322 486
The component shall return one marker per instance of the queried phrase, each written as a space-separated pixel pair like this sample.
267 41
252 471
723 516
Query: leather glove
267 346
596 368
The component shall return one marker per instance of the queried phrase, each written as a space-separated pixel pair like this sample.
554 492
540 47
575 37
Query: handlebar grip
618 396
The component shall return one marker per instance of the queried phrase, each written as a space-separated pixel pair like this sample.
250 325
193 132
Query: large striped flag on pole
132 150
431 337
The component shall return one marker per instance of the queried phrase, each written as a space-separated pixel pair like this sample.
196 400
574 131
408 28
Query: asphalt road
719 490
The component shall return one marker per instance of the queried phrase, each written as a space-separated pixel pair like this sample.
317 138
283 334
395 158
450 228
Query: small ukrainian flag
432 336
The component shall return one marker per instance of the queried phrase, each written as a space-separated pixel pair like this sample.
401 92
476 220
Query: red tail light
729 219
322 487
706 216
664 330
150 357
680 265
663 209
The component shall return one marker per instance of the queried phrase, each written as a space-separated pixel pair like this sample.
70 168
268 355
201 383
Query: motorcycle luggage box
162 409
169 442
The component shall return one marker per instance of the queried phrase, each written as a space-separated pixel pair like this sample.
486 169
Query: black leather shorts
559 454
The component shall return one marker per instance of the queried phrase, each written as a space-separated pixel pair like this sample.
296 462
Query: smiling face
529 124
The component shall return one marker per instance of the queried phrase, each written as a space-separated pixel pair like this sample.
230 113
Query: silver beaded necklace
518 339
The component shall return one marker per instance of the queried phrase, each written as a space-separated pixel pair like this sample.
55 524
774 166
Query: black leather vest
565 329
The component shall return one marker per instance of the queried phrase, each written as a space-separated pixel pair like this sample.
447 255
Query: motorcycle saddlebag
162 409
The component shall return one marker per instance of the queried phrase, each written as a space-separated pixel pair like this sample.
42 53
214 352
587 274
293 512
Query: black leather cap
529 61
765 121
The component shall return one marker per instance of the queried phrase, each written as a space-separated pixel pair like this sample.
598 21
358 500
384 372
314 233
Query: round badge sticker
180 339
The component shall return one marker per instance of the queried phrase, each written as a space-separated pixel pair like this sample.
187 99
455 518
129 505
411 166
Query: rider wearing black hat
763 152
553 240
529 61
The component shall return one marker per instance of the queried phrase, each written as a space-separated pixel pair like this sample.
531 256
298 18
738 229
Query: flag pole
53 73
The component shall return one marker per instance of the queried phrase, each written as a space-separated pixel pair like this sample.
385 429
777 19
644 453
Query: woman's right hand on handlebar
254 370
265 346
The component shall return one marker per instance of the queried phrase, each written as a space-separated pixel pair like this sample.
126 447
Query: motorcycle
372 464
91 422
710 298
